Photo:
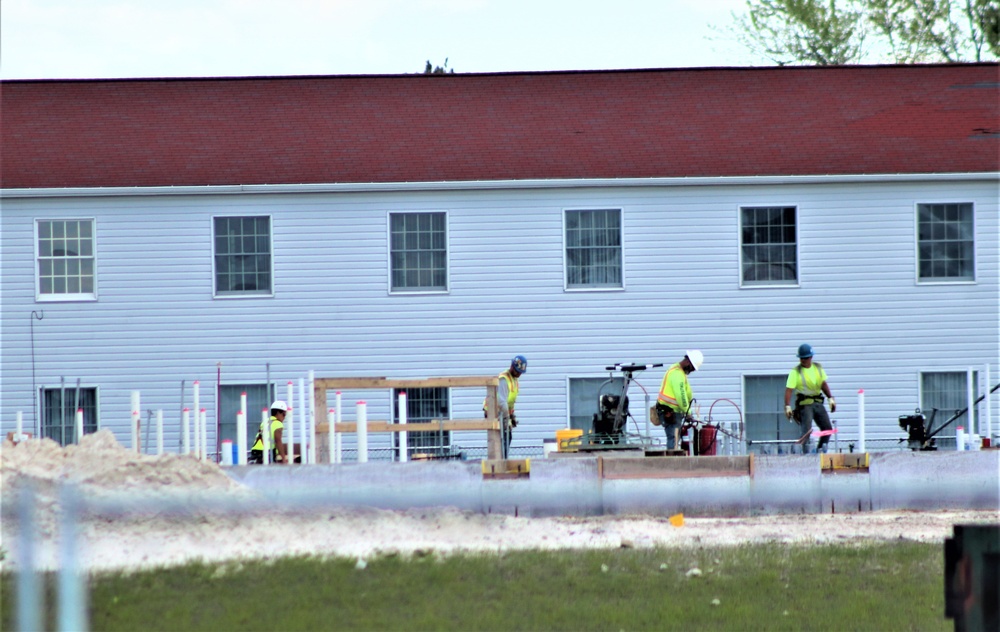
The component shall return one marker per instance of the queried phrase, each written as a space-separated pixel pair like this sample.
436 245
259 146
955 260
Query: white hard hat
279 405
695 357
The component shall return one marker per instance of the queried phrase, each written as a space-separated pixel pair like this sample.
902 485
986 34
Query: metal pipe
303 425
312 417
203 414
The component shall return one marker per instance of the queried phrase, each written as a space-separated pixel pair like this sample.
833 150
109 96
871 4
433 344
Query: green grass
896 586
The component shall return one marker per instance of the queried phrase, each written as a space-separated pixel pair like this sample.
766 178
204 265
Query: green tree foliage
438 70
802 31
849 31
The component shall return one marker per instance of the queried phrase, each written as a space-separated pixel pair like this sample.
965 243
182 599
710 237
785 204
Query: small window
768 251
418 252
230 397
243 256
66 259
942 395
59 406
764 408
594 249
422 406
584 401
945 242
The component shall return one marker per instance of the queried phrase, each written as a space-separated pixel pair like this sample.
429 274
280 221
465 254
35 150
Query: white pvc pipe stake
186 431
159 432
302 424
340 439
403 448
197 422
960 438
79 424
312 416
289 433
331 436
861 420
265 435
362 432
970 400
135 421
241 438
204 435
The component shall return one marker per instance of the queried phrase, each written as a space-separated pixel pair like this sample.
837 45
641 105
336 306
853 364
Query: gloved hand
513 421
788 413
833 405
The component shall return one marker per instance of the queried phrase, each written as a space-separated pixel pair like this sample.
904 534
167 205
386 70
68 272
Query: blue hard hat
805 351
519 364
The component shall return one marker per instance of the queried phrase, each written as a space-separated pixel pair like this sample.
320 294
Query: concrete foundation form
589 485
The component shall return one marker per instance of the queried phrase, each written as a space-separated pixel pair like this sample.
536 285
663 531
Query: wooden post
494 438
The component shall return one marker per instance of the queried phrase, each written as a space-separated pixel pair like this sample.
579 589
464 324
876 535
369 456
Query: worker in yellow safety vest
279 452
674 401
507 390
808 381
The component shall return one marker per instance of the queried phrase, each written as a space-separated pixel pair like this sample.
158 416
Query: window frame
949 437
270 244
565 250
753 285
416 436
781 424
604 378
43 417
76 297
916 247
447 254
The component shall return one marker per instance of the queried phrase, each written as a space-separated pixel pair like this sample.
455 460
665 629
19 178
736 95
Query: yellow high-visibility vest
675 391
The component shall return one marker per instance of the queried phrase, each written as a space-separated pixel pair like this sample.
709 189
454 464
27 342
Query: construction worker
674 401
279 453
808 382
507 390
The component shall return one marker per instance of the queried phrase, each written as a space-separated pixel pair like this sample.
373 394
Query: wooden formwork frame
491 424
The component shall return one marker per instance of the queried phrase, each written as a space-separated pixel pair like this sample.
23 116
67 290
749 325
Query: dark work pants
810 413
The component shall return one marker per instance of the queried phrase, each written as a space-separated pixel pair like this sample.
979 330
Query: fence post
362 432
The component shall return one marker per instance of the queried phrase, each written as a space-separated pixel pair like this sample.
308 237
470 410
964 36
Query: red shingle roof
410 128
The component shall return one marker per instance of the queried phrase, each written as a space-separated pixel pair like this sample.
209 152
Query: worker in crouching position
808 382
673 404
279 452
507 390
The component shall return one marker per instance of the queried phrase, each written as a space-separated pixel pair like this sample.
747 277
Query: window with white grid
66 259
242 256
418 252
768 248
945 242
593 249
424 405
59 406
943 394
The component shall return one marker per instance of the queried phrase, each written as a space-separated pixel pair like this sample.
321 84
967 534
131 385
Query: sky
45 39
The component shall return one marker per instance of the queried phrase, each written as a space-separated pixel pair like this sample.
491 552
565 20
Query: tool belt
669 414
806 400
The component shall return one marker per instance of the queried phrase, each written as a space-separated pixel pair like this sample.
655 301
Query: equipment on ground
921 436
608 430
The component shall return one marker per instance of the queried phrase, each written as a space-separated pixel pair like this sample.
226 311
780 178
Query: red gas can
706 440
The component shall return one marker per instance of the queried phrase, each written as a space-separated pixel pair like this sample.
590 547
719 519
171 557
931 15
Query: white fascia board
377 187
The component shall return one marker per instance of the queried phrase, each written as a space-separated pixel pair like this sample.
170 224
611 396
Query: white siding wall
156 322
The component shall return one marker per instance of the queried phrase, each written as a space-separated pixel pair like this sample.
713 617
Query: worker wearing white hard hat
674 401
279 452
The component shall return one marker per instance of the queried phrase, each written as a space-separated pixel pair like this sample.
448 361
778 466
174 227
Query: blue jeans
670 423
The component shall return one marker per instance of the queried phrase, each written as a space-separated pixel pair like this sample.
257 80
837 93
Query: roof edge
382 187
416 75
